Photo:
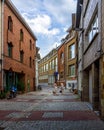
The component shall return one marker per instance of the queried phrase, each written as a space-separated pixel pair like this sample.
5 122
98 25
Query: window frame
21 35
71 51
10 24
62 57
72 70
93 30
10 50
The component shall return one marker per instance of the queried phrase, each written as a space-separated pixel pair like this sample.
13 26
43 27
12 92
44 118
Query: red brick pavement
37 115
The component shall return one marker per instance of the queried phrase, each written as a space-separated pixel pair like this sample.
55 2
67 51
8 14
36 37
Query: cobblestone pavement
42 110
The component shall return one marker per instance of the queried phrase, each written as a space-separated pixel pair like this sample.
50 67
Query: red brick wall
14 37
60 65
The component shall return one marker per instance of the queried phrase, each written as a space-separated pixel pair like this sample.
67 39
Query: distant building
61 62
48 68
17 49
71 58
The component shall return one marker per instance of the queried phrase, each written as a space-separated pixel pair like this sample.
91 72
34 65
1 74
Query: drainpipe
2 38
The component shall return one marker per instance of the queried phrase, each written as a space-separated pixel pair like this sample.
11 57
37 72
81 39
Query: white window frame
93 30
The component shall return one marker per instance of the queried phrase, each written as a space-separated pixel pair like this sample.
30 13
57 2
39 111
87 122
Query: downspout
2 38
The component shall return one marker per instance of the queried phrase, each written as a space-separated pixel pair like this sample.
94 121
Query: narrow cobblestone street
42 110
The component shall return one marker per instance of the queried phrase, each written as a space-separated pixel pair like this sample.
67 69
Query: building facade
1 76
61 63
70 58
48 68
18 50
102 60
89 24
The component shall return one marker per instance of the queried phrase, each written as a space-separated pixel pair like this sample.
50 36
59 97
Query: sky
48 19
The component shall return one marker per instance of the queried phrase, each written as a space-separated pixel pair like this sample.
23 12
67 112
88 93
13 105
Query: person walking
55 89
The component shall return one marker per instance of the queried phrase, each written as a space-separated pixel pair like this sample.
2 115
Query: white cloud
49 20
41 24
61 9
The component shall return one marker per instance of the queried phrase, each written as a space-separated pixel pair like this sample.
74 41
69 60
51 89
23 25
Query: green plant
21 86
2 94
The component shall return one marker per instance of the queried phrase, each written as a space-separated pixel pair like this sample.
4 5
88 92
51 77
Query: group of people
58 89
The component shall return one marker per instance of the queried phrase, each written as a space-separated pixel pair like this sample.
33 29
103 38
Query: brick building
18 48
61 62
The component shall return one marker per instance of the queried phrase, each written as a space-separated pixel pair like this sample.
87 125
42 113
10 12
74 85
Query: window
21 35
52 64
62 57
72 51
30 45
47 67
21 56
10 24
30 62
10 46
56 61
44 68
71 70
93 30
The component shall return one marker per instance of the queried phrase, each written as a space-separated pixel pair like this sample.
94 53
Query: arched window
10 24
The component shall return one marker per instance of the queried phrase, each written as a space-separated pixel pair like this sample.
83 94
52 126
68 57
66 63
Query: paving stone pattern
42 110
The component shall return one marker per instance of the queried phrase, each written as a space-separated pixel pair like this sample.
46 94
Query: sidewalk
42 110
